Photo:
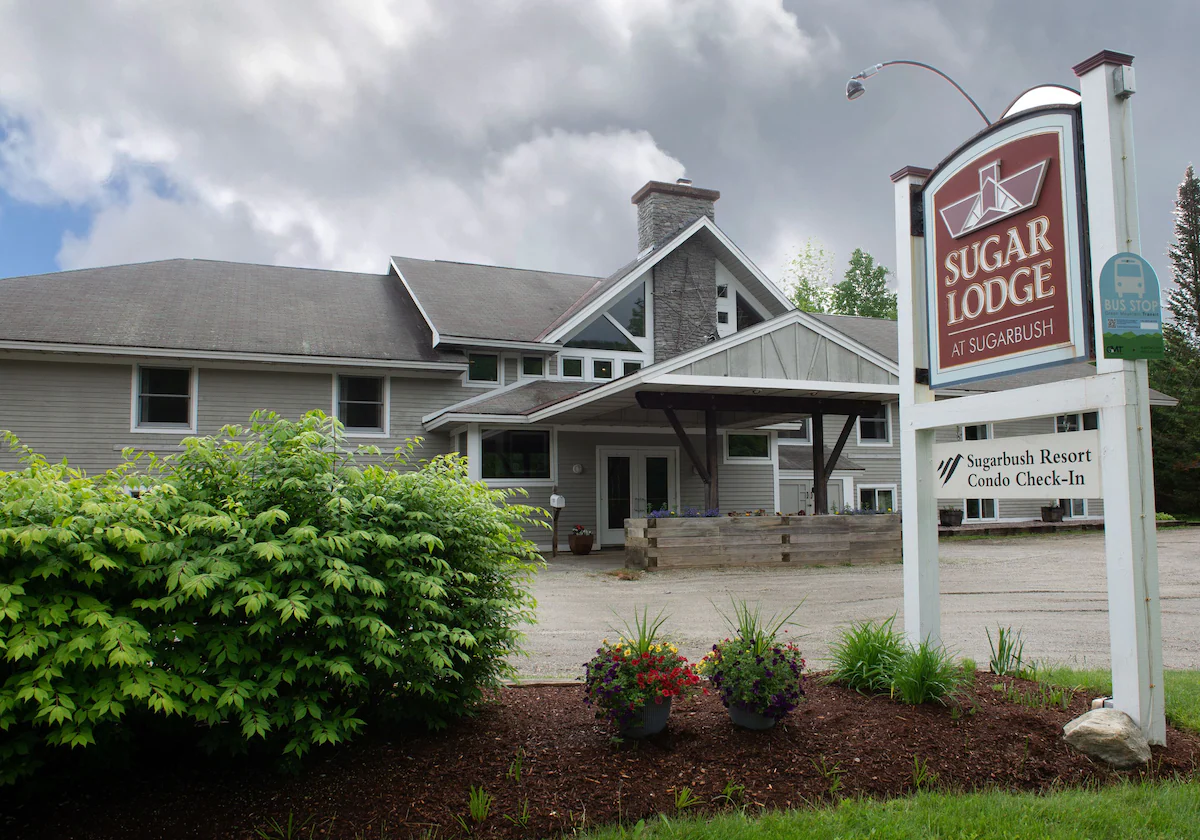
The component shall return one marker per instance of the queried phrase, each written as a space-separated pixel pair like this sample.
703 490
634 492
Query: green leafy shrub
924 674
265 586
865 654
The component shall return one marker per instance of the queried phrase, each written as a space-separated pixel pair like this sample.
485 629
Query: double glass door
633 482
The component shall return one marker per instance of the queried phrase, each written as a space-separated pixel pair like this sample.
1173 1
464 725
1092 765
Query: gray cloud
331 134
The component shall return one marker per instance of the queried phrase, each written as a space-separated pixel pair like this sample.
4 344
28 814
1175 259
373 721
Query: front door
633 482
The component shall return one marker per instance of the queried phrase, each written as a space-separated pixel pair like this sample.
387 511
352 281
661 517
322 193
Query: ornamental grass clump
753 670
865 656
639 668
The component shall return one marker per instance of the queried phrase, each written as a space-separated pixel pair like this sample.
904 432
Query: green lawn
1182 691
1122 812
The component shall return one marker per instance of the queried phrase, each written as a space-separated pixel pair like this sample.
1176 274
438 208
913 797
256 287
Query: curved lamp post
855 87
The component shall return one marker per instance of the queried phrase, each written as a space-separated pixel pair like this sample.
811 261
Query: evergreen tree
1177 430
864 290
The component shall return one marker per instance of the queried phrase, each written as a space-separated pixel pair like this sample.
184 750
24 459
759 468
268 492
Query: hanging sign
1130 309
1004 278
1055 466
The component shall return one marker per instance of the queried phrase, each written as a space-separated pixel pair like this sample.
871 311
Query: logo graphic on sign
947 467
1130 309
997 198
1003 251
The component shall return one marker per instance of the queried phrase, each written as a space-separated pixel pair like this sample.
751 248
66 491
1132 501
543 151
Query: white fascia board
773 384
482 419
741 257
617 289
499 344
417 302
229 356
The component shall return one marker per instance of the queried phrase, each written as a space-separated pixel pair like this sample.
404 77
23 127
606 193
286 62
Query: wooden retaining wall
761 541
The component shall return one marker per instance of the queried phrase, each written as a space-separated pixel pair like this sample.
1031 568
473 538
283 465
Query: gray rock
1109 735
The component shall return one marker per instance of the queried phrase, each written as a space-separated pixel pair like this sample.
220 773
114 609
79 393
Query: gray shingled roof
523 399
214 306
793 457
487 301
882 337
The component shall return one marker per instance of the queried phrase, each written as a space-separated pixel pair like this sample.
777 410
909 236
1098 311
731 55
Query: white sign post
1118 391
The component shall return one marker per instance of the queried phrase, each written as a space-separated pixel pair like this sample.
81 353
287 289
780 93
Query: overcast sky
514 132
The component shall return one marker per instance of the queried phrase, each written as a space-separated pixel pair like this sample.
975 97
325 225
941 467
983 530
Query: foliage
580 531
1007 651
924 674
808 278
865 654
479 803
1163 516
753 670
686 513
265 588
1177 429
1130 810
637 669
1181 690
864 291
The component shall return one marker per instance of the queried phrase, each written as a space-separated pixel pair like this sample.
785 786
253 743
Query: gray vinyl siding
82 412
1016 508
881 463
510 367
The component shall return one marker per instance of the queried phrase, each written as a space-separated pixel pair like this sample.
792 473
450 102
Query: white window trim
468 382
887 408
612 362
861 487
624 362
583 363
164 429
387 405
991 431
769 458
995 507
521 374
521 482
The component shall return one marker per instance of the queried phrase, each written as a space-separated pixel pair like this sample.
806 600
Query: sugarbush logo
947 467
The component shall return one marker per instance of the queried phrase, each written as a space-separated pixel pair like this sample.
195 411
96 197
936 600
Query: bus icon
1129 277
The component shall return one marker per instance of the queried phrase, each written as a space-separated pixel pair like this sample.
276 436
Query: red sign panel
1003 253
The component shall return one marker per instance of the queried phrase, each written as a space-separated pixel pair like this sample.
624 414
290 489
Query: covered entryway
633 482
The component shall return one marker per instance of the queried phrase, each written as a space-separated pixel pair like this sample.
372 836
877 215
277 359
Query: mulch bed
574 774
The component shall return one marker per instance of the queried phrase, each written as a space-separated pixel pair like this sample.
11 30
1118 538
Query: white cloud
333 134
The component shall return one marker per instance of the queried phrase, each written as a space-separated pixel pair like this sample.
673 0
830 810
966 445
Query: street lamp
855 88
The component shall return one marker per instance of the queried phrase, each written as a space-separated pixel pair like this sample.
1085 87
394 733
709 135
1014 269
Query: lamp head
854 89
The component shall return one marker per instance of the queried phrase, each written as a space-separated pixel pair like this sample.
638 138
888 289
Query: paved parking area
1051 587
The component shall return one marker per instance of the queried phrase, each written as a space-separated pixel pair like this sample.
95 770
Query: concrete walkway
1051 587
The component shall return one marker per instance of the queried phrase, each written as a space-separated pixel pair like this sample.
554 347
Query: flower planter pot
750 720
580 544
1052 513
950 518
651 721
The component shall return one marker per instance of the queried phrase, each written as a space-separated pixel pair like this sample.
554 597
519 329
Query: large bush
263 586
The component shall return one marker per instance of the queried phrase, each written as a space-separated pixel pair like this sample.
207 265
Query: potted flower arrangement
950 517
758 677
633 681
580 540
1053 513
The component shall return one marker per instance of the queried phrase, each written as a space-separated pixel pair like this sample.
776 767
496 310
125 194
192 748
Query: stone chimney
684 281
664 209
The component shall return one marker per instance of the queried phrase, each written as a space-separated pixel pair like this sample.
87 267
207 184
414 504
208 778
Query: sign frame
1066 120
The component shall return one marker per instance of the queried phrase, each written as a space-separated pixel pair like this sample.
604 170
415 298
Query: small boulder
1109 735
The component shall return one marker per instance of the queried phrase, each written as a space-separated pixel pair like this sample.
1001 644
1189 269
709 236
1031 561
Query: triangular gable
793 347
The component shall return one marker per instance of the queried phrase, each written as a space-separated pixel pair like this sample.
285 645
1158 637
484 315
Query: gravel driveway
1051 587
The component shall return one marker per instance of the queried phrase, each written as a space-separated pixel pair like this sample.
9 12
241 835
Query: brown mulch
574 774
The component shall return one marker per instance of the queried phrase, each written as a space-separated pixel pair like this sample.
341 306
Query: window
483 367
979 509
164 398
747 315
360 403
632 367
602 369
874 428
516 454
572 368
722 317
603 334
630 311
756 446
981 432
533 366
723 290
881 499
1076 422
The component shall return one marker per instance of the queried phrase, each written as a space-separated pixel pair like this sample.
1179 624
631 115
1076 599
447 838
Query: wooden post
712 496
820 478
554 528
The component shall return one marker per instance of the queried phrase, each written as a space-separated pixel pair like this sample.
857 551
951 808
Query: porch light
855 87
